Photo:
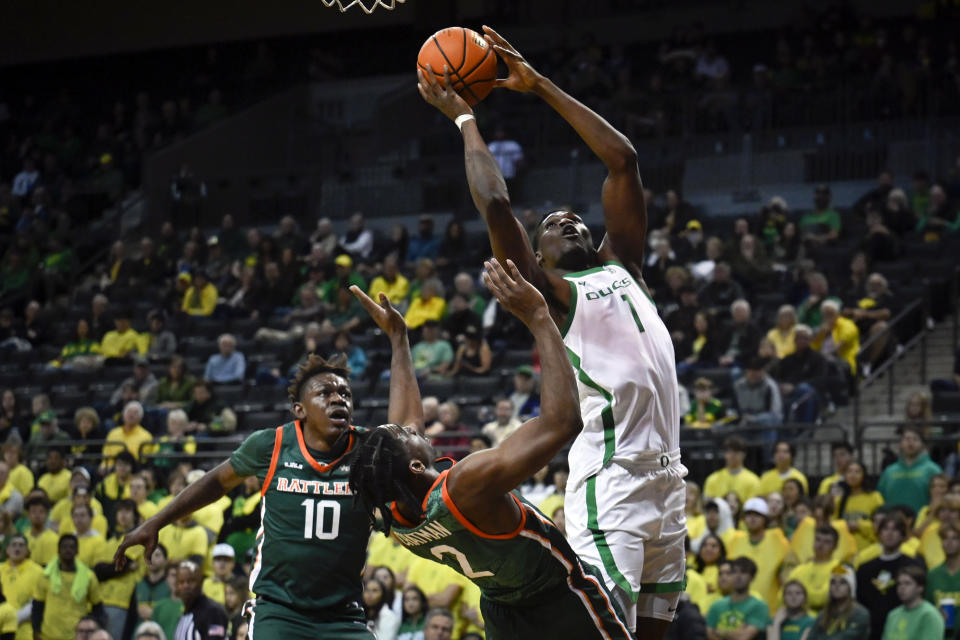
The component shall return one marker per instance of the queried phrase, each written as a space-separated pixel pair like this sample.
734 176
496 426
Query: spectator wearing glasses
87 626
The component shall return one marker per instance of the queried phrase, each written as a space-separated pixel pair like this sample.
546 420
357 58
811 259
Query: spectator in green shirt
843 618
907 481
943 582
793 619
822 225
915 619
738 616
705 410
433 355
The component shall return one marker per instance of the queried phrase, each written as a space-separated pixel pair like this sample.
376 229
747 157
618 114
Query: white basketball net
368 6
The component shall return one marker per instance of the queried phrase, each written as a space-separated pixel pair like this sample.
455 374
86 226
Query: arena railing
878 440
917 314
92 450
702 449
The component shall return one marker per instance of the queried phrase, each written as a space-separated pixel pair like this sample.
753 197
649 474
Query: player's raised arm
496 471
624 210
406 408
209 488
487 186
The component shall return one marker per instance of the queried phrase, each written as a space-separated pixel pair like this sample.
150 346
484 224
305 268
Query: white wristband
461 119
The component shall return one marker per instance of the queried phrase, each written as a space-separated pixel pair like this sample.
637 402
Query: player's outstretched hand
440 93
521 77
144 535
383 313
517 296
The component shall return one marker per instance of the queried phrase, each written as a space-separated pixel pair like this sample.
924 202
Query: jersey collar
323 468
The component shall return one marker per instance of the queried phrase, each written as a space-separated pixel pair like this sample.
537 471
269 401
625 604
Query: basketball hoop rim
344 5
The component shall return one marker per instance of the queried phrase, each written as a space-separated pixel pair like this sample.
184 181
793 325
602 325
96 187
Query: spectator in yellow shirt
19 576
201 298
20 475
81 496
815 574
773 479
90 540
931 545
928 515
123 340
782 334
130 435
138 493
116 485
66 592
224 559
391 282
56 481
842 454
857 505
429 305
768 548
41 540
734 476
837 336
183 539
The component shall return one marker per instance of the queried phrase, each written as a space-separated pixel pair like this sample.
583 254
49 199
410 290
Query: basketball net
368 6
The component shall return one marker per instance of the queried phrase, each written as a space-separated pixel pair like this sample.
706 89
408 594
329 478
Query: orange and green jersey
312 540
514 569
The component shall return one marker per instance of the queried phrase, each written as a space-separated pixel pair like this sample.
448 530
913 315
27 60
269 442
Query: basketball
472 63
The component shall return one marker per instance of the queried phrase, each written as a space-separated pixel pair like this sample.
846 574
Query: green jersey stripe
663 587
606 556
633 312
572 309
606 414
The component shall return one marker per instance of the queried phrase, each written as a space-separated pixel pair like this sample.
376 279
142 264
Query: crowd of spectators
180 341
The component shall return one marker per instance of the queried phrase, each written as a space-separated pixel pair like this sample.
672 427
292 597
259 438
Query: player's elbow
623 156
498 205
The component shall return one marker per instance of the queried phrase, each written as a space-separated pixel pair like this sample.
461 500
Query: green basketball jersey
516 569
312 540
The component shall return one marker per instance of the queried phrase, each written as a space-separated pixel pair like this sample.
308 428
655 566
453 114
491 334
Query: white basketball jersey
623 357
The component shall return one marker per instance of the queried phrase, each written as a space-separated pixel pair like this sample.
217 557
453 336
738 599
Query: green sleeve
933 624
253 456
834 221
805 221
882 484
446 353
713 615
759 615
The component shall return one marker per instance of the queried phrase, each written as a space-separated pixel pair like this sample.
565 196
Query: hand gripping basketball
521 77
441 95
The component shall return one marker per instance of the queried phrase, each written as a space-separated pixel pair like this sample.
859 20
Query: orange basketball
471 61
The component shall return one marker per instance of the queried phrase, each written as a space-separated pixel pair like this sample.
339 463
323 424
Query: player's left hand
383 313
514 293
441 94
522 76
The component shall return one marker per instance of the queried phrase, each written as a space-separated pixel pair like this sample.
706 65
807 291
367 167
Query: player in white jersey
625 496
